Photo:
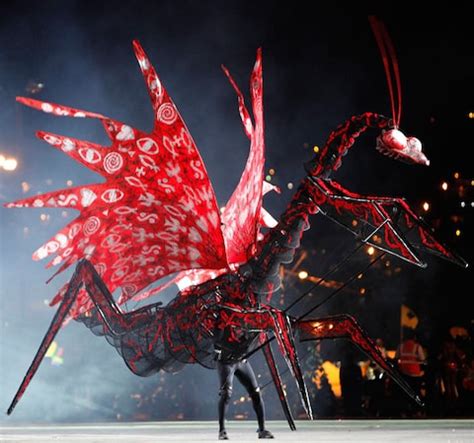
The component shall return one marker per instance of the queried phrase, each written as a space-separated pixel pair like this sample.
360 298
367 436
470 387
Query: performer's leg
246 376
226 376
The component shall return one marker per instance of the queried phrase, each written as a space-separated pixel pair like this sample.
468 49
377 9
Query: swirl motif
91 226
167 114
113 162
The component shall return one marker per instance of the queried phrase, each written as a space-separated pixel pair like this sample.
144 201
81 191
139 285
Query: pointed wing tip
136 45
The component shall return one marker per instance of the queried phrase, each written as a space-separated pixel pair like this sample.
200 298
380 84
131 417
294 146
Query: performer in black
229 365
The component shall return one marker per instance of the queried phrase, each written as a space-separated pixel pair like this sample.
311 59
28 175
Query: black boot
223 435
264 433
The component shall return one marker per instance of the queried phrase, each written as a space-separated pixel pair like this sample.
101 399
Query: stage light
456 175
458 232
303 275
370 250
69 183
444 186
470 115
290 185
268 178
315 149
271 171
10 164
362 291
463 204
426 206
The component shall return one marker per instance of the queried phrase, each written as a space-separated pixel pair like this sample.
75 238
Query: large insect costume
156 214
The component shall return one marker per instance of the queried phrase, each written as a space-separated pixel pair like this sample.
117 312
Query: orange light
362 291
271 171
456 175
371 250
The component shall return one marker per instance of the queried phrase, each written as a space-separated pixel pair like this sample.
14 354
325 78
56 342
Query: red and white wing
155 214
241 215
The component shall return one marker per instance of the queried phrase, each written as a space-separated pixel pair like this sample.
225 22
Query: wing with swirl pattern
155 214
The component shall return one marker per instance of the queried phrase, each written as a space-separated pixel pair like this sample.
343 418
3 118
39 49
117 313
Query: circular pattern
167 114
113 162
91 226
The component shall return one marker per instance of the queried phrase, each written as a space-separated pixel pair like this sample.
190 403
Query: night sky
320 67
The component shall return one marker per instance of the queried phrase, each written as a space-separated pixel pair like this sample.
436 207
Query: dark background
321 65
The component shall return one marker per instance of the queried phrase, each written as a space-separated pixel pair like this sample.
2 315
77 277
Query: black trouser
244 373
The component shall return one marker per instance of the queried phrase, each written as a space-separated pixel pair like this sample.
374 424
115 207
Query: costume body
156 214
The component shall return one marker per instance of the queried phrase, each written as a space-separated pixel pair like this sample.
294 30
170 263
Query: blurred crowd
443 379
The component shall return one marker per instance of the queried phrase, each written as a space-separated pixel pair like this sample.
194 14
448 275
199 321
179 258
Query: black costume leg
226 378
246 376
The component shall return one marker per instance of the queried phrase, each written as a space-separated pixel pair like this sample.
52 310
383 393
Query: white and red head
394 143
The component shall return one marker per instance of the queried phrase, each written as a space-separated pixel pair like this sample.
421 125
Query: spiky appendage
276 378
386 223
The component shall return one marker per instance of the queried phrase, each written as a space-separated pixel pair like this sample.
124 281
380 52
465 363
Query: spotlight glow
10 164
303 275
